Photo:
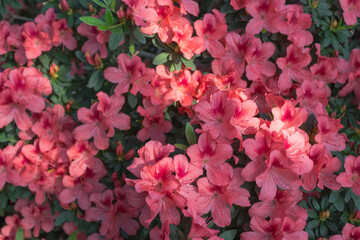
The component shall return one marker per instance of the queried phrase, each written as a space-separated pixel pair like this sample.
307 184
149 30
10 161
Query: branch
14 16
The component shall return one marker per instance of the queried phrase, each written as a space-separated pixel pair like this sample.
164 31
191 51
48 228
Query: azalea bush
161 119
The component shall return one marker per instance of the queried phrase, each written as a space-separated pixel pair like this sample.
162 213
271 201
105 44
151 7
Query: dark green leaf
118 29
331 225
19 234
324 203
14 4
313 224
314 203
139 36
190 134
62 217
333 196
356 200
92 21
323 230
3 9
229 234
161 58
312 214
132 100
114 40
348 195
80 55
339 204
94 78
3 199
99 84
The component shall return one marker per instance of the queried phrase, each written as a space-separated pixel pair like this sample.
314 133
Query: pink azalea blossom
212 156
212 29
36 41
350 178
351 11
218 199
113 216
349 232
101 117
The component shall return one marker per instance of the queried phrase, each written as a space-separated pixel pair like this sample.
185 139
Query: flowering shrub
161 119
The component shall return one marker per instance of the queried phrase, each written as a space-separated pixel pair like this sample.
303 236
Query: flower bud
324 214
129 154
63 5
334 24
53 70
91 8
314 4
98 61
119 149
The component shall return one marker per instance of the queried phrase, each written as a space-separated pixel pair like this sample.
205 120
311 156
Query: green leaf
312 214
73 236
19 234
99 84
103 28
3 199
314 204
100 3
324 202
94 78
139 36
339 204
161 58
45 60
62 217
190 134
14 4
334 196
229 234
132 100
189 63
181 146
3 9
93 21
115 40
109 17
313 224
356 200
323 230
347 195
132 48
118 29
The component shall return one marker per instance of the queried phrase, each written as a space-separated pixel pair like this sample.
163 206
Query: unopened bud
334 24
314 4
53 70
324 214
68 106
63 5
129 154
98 61
119 149
91 8
121 14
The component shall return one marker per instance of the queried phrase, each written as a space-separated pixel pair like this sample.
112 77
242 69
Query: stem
14 16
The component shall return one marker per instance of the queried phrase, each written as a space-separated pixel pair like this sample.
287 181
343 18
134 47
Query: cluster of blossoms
57 155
